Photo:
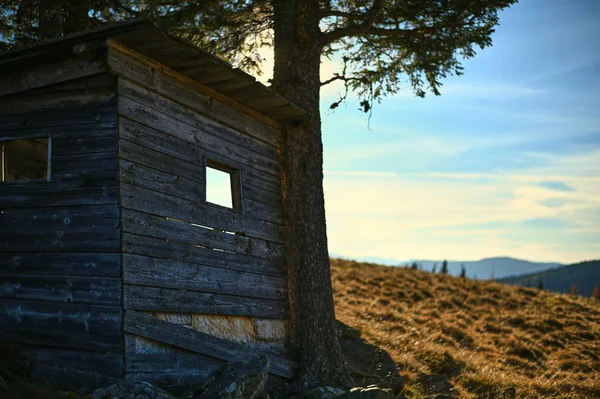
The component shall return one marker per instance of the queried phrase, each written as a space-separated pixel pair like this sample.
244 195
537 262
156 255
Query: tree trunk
313 337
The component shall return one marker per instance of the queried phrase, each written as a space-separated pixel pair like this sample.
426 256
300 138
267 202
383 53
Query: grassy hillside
482 336
585 274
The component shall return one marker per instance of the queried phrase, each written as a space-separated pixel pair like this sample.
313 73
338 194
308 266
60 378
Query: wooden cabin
141 231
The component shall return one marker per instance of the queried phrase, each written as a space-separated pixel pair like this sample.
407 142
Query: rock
367 363
131 390
345 331
321 393
3 385
440 397
370 392
435 384
237 381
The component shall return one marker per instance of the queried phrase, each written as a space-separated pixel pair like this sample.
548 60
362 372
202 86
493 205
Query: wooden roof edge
140 24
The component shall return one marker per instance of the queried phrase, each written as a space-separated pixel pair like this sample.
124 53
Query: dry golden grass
483 336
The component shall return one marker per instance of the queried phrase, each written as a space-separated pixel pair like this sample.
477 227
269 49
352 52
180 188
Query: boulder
237 381
367 363
131 390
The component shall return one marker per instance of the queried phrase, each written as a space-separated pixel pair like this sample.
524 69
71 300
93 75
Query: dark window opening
25 159
223 185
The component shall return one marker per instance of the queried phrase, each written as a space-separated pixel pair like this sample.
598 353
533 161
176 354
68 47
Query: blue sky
505 163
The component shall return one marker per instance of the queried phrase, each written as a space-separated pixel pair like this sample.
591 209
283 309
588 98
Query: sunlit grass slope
482 336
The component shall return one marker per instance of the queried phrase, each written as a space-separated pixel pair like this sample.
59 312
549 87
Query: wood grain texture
166 273
61 263
195 341
268 235
179 231
176 86
161 248
48 74
180 301
64 325
66 289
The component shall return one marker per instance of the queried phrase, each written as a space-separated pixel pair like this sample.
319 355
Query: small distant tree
574 289
414 266
463 271
596 292
540 285
434 269
444 269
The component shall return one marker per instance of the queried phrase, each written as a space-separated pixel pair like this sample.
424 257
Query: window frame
4 143
235 180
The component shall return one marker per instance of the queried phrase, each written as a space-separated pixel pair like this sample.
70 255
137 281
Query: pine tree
444 269
463 271
383 44
540 285
414 266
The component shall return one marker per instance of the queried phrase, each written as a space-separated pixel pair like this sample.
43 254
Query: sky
506 162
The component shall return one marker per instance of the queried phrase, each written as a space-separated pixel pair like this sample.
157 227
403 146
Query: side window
25 159
223 185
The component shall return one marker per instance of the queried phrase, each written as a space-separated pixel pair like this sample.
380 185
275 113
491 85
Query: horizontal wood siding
231 261
60 262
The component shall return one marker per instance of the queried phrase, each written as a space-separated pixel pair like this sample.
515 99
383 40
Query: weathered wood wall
181 254
60 267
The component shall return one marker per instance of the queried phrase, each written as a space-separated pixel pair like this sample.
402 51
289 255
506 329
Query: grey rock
237 381
367 363
131 390
370 392
321 393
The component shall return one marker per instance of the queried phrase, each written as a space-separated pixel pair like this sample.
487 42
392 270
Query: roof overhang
144 37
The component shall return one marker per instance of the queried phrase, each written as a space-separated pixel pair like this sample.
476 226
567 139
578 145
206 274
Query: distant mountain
484 269
585 274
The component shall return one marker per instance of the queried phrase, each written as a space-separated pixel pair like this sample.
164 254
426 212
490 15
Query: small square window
25 159
223 185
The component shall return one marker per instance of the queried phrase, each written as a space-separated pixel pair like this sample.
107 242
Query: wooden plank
87 264
169 124
93 114
175 230
186 114
196 341
137 153
77 217
268 236
167 300
60 197
108 364
65 325
76 240
91 145
168 144
154 179
258 210
160 248
76 130
166 273
61 181
96 162
48 74
67 289
34 102
158 77
171 363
